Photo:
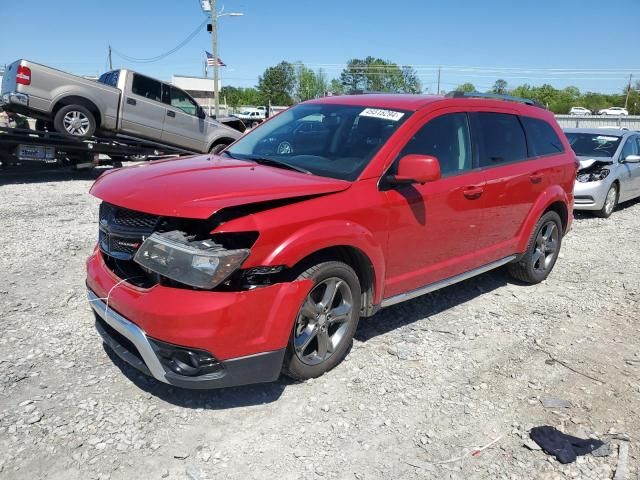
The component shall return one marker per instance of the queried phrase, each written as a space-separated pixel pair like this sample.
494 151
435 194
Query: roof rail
508 98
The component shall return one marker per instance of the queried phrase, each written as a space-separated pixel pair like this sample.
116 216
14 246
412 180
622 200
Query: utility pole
214 36
626 100
110 61
438 90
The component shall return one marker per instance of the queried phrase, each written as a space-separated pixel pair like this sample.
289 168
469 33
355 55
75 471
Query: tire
319 341
254 124
43 126
217 149
75 121
543 247
610 202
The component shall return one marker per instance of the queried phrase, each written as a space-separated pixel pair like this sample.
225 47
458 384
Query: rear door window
501 138
541 137
147 87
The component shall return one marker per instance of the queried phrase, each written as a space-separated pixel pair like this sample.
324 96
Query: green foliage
375 74
466 87
277 84
561 100
236 97
309 84
336 87
500 87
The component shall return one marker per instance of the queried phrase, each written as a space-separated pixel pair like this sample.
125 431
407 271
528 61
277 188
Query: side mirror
631 159
416 169
201 113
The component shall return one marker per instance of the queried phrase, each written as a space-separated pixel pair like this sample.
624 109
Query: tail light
23 75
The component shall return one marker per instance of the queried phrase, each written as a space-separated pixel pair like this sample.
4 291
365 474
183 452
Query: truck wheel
542 251
76 121
324 327
217 149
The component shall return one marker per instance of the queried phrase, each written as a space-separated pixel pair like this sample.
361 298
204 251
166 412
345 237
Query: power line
166 54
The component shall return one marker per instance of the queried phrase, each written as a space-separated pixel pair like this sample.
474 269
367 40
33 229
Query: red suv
224 270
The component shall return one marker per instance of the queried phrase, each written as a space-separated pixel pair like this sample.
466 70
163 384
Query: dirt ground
426 384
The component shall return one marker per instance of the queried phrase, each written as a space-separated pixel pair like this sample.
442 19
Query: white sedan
613 111
579 111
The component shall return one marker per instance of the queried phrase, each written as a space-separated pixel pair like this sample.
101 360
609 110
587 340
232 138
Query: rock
531 445
553 402
35 418
604 451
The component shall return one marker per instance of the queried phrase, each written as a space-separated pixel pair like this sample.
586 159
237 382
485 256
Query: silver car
609 171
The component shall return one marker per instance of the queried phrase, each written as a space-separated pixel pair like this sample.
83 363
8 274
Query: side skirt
403 297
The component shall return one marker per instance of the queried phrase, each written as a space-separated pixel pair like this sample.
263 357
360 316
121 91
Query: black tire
86 126
610 202
536 263
217 149
299 366
43 126
254 124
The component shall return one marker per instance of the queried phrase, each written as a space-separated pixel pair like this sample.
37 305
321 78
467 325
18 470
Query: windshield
593 145
335 141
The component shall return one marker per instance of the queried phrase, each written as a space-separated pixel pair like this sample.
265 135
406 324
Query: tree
376 74
309 84
466 87
277 84
500 87
336 87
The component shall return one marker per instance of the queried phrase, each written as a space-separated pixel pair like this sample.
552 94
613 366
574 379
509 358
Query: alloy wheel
76 123
610 201
323 321
546 247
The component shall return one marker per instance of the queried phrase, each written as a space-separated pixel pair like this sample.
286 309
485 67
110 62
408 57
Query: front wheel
610 202
326 322
543 248
217 149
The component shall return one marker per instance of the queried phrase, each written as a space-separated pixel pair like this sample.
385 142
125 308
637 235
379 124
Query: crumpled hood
586 162
197 187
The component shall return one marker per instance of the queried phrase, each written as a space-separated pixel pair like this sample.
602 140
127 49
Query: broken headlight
202 264
594 176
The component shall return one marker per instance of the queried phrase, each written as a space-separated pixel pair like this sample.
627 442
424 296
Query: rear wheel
543 248
76 121
326 322
610 202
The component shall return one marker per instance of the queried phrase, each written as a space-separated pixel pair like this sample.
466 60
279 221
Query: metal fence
631 122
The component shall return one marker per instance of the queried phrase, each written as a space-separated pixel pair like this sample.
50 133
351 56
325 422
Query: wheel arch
77 100
555 198
220 140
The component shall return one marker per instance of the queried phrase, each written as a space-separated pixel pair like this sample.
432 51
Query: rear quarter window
541 137
501 138
147 87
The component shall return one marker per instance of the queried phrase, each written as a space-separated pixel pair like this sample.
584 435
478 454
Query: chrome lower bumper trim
132 332
402 297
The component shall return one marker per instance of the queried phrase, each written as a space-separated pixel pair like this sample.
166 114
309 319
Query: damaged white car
609 171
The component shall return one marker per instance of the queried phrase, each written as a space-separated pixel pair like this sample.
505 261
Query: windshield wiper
270 162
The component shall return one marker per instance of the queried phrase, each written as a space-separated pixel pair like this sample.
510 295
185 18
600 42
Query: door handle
536 177
171 113
131 101
473 193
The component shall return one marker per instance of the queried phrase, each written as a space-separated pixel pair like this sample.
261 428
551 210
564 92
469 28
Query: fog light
186 361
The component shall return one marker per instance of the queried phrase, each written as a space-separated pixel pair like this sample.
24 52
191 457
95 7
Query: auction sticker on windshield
382 113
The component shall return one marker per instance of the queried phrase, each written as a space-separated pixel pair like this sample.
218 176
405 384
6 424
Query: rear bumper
132 345
14 98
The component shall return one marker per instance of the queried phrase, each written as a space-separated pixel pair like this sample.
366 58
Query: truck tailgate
9 78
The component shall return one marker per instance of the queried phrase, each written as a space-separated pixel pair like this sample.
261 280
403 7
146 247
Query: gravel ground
426 383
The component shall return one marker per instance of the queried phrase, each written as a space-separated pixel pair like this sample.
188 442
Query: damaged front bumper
195 338
590 195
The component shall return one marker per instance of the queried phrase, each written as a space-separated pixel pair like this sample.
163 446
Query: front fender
551 195
275 247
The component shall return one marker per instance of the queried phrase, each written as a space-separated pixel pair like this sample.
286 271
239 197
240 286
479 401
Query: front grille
123 217
122 231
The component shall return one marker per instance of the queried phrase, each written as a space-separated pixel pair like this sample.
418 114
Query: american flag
210 60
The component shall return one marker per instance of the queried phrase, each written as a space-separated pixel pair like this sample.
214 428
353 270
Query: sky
590 44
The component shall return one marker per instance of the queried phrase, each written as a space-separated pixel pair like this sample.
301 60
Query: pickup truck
120 102
251 116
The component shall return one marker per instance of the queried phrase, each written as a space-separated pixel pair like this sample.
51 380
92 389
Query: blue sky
561 42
